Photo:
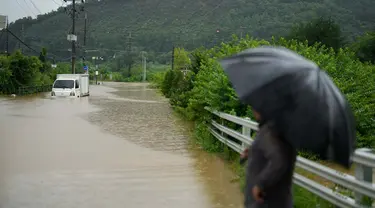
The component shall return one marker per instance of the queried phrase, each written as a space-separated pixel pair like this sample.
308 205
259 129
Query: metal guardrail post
246 131
223 135
222 123
363 173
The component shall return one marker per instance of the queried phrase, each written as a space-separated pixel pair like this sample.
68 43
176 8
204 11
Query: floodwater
120 147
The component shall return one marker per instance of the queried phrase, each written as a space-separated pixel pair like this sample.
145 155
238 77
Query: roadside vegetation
33 73
198 81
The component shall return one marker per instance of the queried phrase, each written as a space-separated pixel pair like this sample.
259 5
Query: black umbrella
304 103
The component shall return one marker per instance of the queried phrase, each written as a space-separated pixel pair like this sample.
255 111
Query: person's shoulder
267 131
269 135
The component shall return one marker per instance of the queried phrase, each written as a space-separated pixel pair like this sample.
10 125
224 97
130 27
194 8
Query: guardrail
361 184
25 90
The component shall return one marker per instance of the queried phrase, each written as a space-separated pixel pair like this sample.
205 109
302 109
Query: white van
71 85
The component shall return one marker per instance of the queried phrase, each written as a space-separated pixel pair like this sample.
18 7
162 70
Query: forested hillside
155 25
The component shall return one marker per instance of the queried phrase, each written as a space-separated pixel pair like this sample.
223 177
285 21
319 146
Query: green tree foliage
157 25
182 60
5 72
18 70
42 55
166 85
210 87
365 47
179 81
321 30
24 69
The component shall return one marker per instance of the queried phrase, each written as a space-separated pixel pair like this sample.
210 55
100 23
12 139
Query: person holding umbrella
298 107
270 169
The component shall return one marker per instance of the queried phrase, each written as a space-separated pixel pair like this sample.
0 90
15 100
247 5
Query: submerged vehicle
71 85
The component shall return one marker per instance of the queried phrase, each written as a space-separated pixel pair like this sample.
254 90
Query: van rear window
64 84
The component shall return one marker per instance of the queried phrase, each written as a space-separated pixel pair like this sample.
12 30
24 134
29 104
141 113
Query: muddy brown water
120 147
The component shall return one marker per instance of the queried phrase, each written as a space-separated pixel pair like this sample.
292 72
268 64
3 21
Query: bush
365 47
154 71
208 86
156 79
18 71
167 83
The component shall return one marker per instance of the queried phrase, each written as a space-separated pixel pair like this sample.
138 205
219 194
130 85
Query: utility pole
85 30
73 41
72 36
129 49
7 36
172 57
144 64
84 42
22 37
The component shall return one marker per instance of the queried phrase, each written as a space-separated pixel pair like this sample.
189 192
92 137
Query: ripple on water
143 119
154 126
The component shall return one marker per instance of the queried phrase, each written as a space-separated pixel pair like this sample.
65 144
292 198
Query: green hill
156 25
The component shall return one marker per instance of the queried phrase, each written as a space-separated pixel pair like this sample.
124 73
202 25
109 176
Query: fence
360 185
25 90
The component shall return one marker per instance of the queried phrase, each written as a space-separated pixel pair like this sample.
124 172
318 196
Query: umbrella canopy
308 109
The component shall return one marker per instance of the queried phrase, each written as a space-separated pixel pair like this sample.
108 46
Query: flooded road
120 147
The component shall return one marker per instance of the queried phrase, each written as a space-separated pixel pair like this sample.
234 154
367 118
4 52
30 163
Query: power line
58 3
29 47
32 2
10 32
27 5
27 13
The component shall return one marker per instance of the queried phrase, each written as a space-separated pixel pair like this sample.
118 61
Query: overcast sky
16 9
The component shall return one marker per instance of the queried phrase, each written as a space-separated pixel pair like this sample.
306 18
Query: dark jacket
270 166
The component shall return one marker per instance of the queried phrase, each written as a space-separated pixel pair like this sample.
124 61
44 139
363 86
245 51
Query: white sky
16 9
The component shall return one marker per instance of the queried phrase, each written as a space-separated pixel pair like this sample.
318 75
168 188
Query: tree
187 25
181 59
5 73
324 31
43 55
365 47
24 69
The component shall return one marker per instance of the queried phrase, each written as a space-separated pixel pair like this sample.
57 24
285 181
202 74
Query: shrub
208 86
18 70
